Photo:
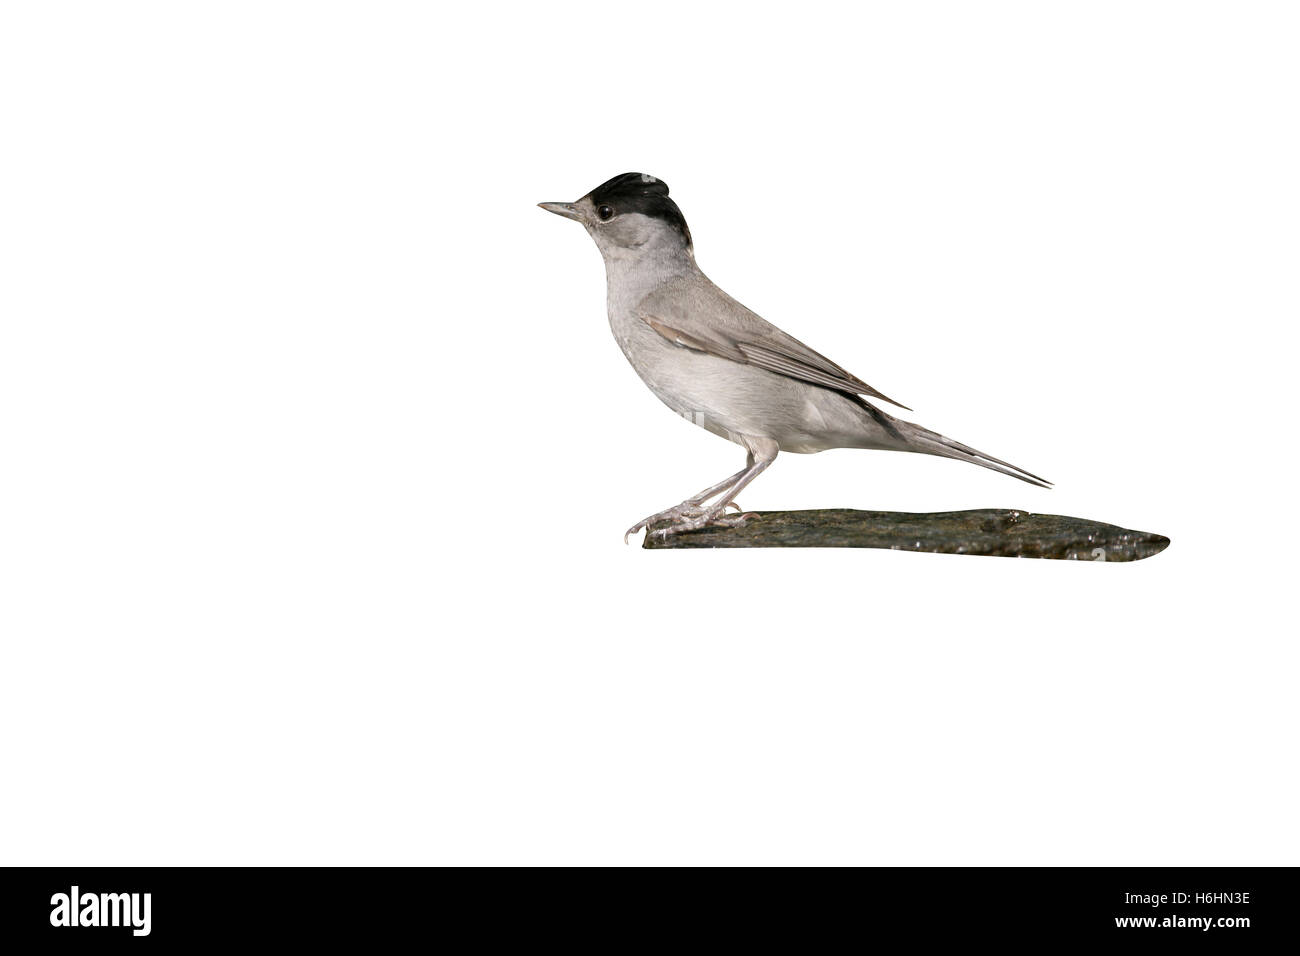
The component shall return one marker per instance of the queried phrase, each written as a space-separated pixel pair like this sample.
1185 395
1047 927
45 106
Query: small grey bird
712 360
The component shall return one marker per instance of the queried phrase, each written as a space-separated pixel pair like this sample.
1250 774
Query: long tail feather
932 443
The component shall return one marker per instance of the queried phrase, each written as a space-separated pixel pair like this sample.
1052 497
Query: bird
724 367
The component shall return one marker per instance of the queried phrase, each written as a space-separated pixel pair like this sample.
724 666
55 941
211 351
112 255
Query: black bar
1223 908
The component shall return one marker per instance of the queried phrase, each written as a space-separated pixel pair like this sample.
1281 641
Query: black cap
641 192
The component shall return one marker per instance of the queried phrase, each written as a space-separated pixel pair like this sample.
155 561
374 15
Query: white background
317 451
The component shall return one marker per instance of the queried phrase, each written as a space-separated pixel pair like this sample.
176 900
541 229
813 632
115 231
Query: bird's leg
692 513
691 507
716 514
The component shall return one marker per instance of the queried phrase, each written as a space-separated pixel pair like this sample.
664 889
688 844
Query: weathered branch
991 531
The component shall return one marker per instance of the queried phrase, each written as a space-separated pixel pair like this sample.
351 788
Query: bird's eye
605 213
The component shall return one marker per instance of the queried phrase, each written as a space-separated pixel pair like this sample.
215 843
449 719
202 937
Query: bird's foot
687 513
681 512
691 517
715 518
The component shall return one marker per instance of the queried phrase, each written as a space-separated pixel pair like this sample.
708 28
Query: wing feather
739 335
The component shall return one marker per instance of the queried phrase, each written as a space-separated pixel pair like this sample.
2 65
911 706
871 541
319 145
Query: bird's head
630 215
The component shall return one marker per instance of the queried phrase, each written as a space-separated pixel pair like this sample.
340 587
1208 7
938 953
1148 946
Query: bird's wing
713 322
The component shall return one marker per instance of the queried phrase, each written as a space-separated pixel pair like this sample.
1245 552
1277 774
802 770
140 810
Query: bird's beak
566 209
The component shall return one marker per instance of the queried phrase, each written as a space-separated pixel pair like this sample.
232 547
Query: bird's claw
675 513
691 519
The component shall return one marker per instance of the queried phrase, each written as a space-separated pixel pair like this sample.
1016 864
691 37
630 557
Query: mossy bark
989 531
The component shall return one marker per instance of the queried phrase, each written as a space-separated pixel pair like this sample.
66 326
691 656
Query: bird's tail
932 443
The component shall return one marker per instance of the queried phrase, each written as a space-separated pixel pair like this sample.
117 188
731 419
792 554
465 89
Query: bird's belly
734 400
